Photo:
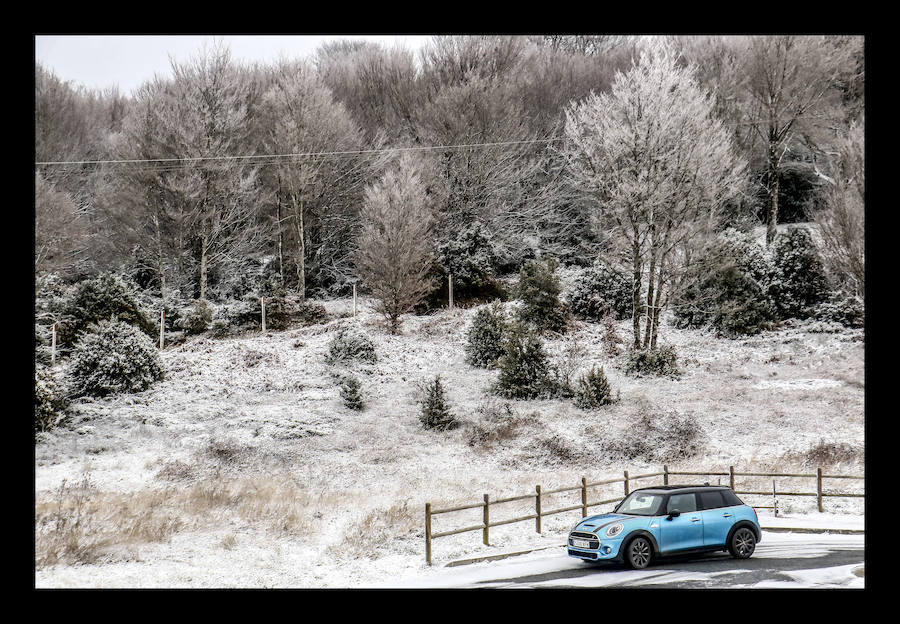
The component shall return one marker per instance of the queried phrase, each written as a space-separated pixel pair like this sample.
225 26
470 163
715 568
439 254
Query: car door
717 518
686 530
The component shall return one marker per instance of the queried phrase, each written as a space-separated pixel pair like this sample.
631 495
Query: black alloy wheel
639 553
743 543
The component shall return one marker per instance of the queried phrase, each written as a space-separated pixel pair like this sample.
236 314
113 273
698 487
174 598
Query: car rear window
711 500
731 498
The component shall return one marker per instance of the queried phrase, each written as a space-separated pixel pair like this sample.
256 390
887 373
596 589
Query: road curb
806 530
499 556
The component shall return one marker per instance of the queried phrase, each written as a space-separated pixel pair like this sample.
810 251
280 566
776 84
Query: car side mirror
674 514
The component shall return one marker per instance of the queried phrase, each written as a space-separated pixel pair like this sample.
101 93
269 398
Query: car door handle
695 519
726 515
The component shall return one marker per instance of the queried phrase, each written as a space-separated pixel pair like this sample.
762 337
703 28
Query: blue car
668 520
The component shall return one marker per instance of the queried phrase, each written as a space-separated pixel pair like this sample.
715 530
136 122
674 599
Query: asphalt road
796 561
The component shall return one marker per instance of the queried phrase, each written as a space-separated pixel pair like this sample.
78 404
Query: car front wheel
639 553
743 543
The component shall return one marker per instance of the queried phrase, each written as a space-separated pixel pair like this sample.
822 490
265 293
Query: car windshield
641 504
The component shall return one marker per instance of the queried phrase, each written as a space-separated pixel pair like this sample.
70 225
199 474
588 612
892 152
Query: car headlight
614 529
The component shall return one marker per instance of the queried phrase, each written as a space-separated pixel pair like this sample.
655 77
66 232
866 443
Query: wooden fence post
819 488
537 508
428 533
487 520
626 483
583 497
731 477
162 328
665 475
53 347
262 301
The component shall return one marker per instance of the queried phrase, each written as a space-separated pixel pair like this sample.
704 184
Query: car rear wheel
743 543
639 553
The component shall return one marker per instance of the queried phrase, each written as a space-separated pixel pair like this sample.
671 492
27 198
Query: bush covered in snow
49 400
102 298
597 289
727 288
196 318
538 289
351 392
471 259
435 412
798 275
593 389
846 310
113 357
660 437
349 345
484 343
524 369
496 423
660 362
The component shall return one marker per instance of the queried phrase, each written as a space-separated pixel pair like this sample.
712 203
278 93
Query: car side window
711 500
682 502
731 499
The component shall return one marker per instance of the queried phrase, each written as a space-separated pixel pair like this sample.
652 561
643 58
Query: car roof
691 488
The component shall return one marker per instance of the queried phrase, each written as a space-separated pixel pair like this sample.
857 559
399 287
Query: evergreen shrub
538 289
435 412
113 357
659 362
484 344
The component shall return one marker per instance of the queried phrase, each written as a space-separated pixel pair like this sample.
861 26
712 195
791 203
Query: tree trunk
301 247
772 217
651 273
636 294
203 267
280 232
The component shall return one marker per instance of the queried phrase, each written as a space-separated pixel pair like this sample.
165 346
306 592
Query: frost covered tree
792 87
842 223
658 166
313 196
203 120
395 244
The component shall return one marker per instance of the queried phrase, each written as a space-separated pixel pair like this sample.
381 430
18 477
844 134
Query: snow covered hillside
243 468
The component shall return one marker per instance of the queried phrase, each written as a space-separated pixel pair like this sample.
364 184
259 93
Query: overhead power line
263 157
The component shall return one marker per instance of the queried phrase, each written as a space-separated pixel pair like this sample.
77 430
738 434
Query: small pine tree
539 290
593 390
435 412
49 400
351 393
799 281
524 369
485 338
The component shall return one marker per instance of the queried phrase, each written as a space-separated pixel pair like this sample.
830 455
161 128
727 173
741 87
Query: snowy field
242 468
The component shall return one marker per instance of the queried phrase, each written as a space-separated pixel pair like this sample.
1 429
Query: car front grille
594 540
583 555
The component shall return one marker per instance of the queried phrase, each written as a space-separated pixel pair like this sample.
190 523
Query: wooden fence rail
584 505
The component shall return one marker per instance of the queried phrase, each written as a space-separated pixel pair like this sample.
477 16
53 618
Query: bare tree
204 122
658 165
300 116
395 246
843 222
59 229
790 86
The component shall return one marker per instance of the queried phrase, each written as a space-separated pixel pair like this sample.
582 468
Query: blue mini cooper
668 520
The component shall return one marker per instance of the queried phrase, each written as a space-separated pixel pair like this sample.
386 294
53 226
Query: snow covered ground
243 468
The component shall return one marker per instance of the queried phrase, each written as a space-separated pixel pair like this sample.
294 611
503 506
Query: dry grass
82 524
374 533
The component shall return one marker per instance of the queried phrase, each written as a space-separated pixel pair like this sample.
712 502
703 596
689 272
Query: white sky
100 61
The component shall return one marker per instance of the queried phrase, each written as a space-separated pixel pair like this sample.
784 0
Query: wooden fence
584 505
